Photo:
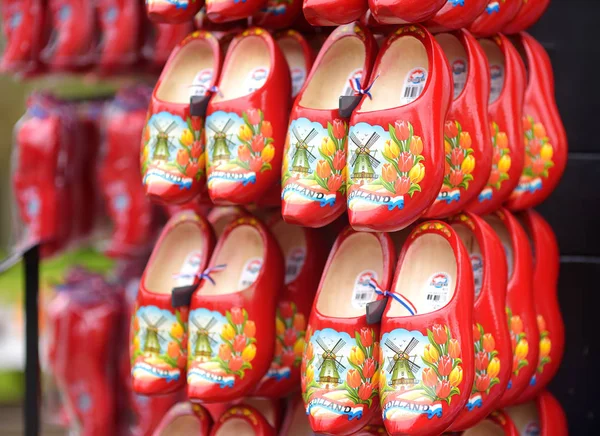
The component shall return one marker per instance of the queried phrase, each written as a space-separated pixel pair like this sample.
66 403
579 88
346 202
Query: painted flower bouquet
460 161
289 341
238 348
519 342
538 150
545 344
331 170
362 380
501 159
256 136
487 365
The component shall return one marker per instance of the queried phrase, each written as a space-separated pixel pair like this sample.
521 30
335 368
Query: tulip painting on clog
172 11
496 15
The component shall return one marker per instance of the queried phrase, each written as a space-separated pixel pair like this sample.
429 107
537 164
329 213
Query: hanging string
398 297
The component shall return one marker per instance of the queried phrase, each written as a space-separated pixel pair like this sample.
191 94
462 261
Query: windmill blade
338 346
319 362
212 127
411 345
196 323
172 145
340 367
372 140
355 139
160 321
413 366
211 323
310 136
228 125
156 125
229 142
161 336
311 157
354 157
296 134
322 344
391 365
374 162
392 346
145 318
212 341
170 128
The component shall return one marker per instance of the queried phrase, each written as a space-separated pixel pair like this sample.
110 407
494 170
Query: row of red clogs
357 139
468 323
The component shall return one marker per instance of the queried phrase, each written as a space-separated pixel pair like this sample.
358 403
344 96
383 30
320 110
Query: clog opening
345 291
497 64
299 425
293 245
180 252
182 425
265 407
243 254
525 417
458 59
294 55
506 240
246 70
237 427
189 73
343 61
477 262
403 75
427 276
485 428
223 218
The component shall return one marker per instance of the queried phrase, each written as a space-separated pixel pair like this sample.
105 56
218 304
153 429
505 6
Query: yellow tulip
245 133
357 357
268 153
522 349
417 173
228 333
249 353
279 327
545 347
456 376
177 330
310 373
431 354
187 137
547 152
299 347
493 368
504 164
501 140
391 150
136 343
375 379
327 146
468 165
447 147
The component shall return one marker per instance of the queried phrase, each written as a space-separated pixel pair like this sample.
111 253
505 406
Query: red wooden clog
159 330
498 423
148 411
173 152
544 416
404 11
222 11
427 334
270 409
172 11
505 109
295 422
519 304
467 141
497 14
299 56
333 12
120 27
456 14
247 119
314 166
277 14
341 360
549 319
221 217
493 349
160 41
231 328
528 15
545 137
185 418
396 142
304 261
242 420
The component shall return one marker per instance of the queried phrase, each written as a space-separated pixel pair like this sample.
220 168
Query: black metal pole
31 411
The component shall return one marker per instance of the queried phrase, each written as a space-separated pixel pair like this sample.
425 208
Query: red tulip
366 337
256 164
482 383
402 130
456 177
353 379
334 183
364 391
457 156
235 364
266 129
494 177
224 352
369 368
481 361
286 310
516 325
299 322
444 389
196 149
402 185
526 123
429 377
239 343
192 170
389 173
405 162
339 129
323 169
534 147
489 344
454 349
258 143
444 365
476 333
237 315
497 154
183 158
289 338
253 116
339 160
243 153
250 329
196 124
538 166
288 358
439 334
181 361
278 348
450 129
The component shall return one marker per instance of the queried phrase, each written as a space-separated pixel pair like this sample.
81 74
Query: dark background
570 32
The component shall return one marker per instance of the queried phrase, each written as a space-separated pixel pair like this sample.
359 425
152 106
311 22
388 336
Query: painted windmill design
163 142
363 160
152 343
328 364
221 146
401 366
203 347
303 157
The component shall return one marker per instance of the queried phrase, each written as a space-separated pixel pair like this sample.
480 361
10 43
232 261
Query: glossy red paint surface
467 137
247 317
173 166
545 144
160 41
185 409
553 420
549 319
456 15
222 11
496 15
404 11
249 415
493 349
120 25
351 411
298 77
165 11
506 130
246 172
333 12
503 420
528 15
412 411
411 190
220 217
520 306
152 372
303 201
276 14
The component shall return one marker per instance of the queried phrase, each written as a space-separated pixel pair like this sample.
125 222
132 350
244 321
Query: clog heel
242 420
223 11
528 15
498 423
544 416
455 15
404 11
333 12
167 11
496 15
185 418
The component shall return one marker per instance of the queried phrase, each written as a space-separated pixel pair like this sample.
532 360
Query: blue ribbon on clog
358 89
398 297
